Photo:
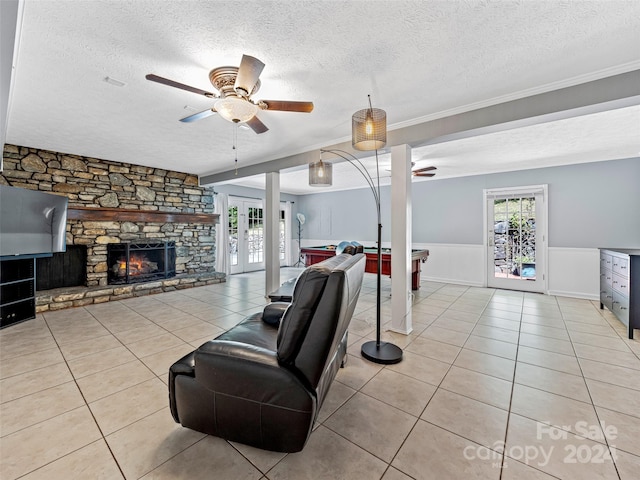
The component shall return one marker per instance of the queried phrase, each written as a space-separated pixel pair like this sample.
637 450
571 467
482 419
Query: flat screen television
31 222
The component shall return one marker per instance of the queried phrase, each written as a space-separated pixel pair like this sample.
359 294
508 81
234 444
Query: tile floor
494 384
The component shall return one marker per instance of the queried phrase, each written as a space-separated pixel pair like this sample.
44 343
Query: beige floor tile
515 307
434 349
605 355
546 321
621 376
453 324
546 343
147 347
107 382
488 364
196 331
328 456
445 335
336 397
596 340
79 332
394 474
17 345
365 421
160 362
492 347
97 362
149 442
421 368
603 329
263 460
481 387
201 460
467 307
30 361
552 381
545 331
514 470
551 451
468 317
623 431
88 347
433 453
476 421
38 407
494 312
500 323
613 397
130 405
357 372
544 358
495 333
33 381
91 462
562 412
628 466
139 333
45 442
400 391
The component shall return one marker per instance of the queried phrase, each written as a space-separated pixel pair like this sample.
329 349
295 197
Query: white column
272 232
401 239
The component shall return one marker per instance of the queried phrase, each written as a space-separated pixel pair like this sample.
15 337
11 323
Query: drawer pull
623 308
623 268
609 296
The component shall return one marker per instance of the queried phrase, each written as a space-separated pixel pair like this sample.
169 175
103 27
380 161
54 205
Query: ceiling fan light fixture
369 129
235 109
320 174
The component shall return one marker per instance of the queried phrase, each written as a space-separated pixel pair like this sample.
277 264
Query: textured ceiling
417 59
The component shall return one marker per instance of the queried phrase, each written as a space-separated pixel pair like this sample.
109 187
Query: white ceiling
418 59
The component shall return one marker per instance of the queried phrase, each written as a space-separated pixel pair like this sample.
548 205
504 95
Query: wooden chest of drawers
620 285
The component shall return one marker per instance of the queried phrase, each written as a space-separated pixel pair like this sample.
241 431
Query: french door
246 234
516 220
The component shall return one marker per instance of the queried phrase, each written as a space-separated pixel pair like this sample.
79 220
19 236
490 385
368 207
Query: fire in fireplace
140 262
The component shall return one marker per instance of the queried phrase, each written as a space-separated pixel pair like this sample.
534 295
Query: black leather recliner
263 382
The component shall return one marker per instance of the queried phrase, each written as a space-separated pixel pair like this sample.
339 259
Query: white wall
591 205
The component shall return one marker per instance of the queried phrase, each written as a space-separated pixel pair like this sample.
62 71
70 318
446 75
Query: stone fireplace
120 203
140 262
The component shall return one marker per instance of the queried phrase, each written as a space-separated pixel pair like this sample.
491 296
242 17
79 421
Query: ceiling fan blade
424 174
197 116
425 169
248 73
256 125
181 86
286 106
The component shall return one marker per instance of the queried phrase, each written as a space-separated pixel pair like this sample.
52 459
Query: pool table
317 254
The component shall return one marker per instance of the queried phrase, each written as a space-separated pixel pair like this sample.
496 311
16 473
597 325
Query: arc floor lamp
369 133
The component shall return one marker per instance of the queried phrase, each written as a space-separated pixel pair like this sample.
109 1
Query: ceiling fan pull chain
235 142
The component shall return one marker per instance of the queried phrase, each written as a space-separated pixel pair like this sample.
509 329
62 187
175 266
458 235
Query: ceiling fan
420 172
236 86
423 172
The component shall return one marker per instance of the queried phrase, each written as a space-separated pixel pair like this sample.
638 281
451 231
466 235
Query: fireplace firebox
140 262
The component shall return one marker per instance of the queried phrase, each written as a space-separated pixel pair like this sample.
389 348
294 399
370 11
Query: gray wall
590 205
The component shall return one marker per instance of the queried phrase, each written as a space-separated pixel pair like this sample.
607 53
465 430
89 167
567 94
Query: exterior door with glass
246 235
516 240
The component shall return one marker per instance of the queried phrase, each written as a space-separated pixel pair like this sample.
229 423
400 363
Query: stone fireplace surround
113 202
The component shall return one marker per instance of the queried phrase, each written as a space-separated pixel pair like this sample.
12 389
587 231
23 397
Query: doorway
516 247
246 234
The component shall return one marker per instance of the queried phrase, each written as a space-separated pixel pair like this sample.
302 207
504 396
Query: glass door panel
514 254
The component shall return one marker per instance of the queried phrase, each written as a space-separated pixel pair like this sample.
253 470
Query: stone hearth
113 202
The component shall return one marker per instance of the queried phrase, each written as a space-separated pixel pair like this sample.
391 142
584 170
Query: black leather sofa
263 382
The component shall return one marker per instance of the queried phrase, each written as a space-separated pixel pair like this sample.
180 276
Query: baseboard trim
582 295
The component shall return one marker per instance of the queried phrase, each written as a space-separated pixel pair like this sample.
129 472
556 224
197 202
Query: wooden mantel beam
98 214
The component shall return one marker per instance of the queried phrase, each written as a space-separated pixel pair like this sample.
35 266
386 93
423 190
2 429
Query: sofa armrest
273 312
250 372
